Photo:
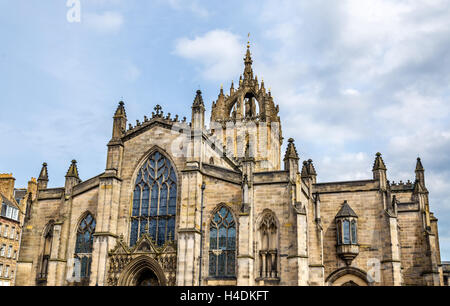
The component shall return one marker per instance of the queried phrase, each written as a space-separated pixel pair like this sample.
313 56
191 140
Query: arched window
48 237
83 249
268 255
222 244
154 200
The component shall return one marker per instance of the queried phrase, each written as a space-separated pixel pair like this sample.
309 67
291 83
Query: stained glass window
154 201
222 244
83 247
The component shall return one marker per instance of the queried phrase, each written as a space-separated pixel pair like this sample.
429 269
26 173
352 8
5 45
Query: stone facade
13 205
240 218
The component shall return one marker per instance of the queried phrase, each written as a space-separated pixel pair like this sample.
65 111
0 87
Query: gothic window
48 237
222 244
154 201
83 248
268 254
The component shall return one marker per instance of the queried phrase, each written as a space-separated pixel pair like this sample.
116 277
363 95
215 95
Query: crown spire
248 71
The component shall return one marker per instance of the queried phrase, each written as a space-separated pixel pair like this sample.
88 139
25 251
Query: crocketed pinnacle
43 176
291 151
198 101
379 163
419 166
120 111
73 170
311 169
304 172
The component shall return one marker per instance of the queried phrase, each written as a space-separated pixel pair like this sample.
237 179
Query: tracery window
154 201
268 254
222 244
83 248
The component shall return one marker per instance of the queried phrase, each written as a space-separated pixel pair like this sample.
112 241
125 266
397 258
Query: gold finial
248 42
221 86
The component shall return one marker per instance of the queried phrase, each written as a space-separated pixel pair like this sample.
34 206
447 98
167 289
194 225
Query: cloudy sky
351 77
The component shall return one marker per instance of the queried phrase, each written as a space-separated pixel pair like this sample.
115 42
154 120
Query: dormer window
347 233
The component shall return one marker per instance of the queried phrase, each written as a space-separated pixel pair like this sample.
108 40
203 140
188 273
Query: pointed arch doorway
143 271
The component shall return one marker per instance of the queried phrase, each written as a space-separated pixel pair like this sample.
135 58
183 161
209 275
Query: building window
5 233
17 235
268 255
346 226
154 201
222 244
3 250
1 227
346 233
13 232
1 270
83 249
7 271
9 251
15 255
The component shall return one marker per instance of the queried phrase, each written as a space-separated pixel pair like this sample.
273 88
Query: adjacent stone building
13 204
182 204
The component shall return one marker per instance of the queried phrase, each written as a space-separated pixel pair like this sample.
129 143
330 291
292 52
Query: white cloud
105 22
191 5
218 52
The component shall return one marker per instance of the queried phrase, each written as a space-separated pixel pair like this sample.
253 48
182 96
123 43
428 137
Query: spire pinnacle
73 170
198 101
311 169
379 163
120 111
419 166
43 176
291 151
248 71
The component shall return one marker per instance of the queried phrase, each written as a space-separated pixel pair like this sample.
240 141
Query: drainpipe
201 238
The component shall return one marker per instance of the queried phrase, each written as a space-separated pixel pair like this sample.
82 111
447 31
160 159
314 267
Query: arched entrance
146 278
348 276
143 271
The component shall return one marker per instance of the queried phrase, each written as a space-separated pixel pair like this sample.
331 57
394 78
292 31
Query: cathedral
182 204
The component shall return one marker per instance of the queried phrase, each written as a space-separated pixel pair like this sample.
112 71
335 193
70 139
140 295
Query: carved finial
158 109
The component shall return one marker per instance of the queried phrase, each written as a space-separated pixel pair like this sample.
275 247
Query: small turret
43 177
